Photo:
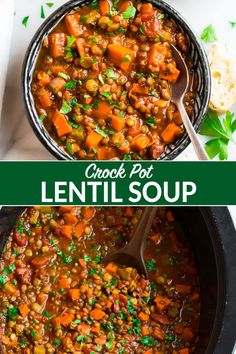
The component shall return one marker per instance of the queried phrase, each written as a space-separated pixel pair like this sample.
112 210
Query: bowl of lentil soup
97 81
57 297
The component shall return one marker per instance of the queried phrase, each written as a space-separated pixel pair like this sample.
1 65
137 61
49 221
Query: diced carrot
79 229
100 340
63 283
57 43
93 139
5 340
135 129
124 5
43 78
143 316
179 328
88 213
83 262
158 333
44 97
170 216
169 72
171 132
117 122
184 351
163 319
80 42
139 90
42 298
111 268
147 9
157 54
121 56
155 238
61 124
183 289
56 323
145 331
24 310
95 329
141 142
187 334
74 294
70 218
195 296
108 304
105 7
66 319
174 241
66 230
129 211
162 302
72 24
97 314
85 329
106 153
149 351
65 209
102 111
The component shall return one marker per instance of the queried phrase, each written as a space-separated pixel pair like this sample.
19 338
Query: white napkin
6 26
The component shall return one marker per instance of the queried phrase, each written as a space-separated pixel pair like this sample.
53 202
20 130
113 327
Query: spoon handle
142 230
201 154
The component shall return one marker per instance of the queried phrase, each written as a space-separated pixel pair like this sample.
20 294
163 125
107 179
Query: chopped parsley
42 117
150 121
126 58
129 12
3 280
42 13
147 341
65 108
232 24
64 76
111 74
70 84
142 30
50 4
110 283
151 265
100 131
87 258
209 35
25 21
107 95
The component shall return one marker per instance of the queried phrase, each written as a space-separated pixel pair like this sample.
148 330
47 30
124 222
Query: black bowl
197 54
212 237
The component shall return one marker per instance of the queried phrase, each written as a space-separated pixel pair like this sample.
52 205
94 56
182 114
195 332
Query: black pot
197 53
213 239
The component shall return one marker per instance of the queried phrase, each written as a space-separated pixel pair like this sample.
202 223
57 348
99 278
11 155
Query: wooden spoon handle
138 240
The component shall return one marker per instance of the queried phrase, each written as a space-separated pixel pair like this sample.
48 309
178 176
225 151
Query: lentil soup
57 297
103 78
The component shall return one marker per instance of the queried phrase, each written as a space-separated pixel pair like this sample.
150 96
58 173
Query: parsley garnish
107 95
12 313
70 84
3 280
127 157
65 108
232 24
111 74
64 76
87 258
100 131
221 131
151 121
25 21
209 35
142 30
42 117
42 14
50 4
147 341
129 12
126 58
151 265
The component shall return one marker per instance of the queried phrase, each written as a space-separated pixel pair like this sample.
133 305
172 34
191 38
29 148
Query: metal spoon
132 254
178 92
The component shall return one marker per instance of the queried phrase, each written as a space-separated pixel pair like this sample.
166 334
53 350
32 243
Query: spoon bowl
131 255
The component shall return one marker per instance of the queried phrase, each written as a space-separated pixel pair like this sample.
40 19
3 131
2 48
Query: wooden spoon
131 255
179 90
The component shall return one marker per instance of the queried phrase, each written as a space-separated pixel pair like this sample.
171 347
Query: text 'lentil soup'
102 82
57 297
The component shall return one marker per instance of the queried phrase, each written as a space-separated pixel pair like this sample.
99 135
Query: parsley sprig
222 132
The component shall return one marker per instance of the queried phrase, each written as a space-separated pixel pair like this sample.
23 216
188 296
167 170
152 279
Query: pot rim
32 54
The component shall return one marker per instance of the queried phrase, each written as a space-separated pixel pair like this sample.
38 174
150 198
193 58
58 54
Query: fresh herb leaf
25 21
127 157
107 95
209 35
65 108
3 280
142 30
50 4
87 258
150 121
82 19
121 30
232 24
129 12
12 313
57 341
147 341
126 58
161 16
80 338
63 76
70 84
42 117
151 265
113 282
69 148
111 74
100 131
42 14
130 307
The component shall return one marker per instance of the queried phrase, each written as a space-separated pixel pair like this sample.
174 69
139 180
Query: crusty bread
223 74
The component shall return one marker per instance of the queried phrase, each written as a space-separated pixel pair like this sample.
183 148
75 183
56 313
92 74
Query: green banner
117 182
